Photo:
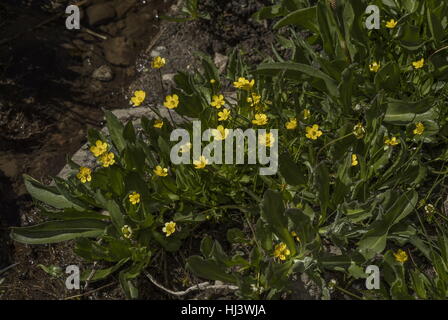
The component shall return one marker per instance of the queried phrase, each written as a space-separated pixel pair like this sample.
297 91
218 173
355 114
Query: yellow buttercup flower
224 115
107 159
391 141
212 81
99 148
169 228
306 114
291 124
267 140
294 234
158 124
419 64
220 133
281 251
138 98
244 84
161 172
134 198
419 128
313 132
158 62
126 231
260 119
401 256
172 101
185 148
84 174
359 131
375 66
200 163
391 24
354 160
254 100
217 101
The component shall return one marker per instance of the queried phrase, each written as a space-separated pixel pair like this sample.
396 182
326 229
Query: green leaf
235 235
102 273
73 214
116 129
291 172
375 239
127 285
326 26
294 70
404 112
206 246
47 194
54 271
58 231
209 269
322 182
305 18
273 212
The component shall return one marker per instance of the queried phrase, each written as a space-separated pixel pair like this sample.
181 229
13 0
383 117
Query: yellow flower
281 251
306 114
375 66
138 98
254 100
419 128
401 256
419 64
99 148
294 234
158 62
126 231
244 84
313 132
224 115
212 81
391 24
161 172
186 147
260 119
200 163
107 159
354 160
359 131
217 101
169 228
391 141
171 102
220 133
84 174
158 124
134 198
266 139
291 124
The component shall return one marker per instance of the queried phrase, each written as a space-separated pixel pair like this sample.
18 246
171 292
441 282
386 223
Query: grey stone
100 13
220 61
118 51
103 73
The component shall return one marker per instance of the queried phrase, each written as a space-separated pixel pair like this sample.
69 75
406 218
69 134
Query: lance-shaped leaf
58 231
48 194
273 212
209 269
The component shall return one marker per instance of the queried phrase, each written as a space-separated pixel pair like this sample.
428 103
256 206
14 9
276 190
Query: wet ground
53 84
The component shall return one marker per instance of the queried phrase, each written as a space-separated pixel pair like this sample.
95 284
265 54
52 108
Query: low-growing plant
362 146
